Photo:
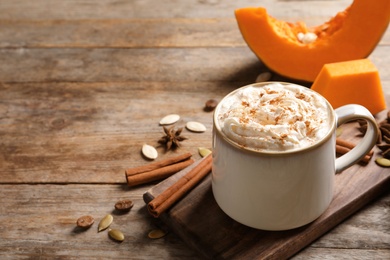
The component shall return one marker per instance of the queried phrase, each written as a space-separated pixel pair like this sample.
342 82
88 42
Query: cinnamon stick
171 195
343 150
158 164
157 174
349 145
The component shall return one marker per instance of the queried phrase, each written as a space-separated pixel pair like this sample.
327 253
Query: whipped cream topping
274 117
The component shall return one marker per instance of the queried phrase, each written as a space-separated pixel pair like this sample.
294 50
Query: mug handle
352 112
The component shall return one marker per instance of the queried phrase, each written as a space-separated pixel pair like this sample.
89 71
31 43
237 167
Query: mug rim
218 131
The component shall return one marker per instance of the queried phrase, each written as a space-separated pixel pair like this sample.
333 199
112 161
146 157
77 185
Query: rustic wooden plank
159 64
369 227
120 108
112 9
49 135
94 65
69 115
176 32
97 159
38 222
120 33
342 253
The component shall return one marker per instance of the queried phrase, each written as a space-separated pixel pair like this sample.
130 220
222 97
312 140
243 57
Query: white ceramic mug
283 190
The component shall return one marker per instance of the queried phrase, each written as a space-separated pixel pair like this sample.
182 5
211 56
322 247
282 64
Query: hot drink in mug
274 153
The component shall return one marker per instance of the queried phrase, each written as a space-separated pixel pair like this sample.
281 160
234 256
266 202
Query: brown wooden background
83 84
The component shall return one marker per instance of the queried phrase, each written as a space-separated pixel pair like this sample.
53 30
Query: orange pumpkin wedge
351 82
284 48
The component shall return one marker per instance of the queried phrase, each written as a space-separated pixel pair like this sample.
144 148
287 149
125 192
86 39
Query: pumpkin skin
351 34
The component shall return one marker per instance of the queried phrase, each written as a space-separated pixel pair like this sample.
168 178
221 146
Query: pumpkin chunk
351 82
298 52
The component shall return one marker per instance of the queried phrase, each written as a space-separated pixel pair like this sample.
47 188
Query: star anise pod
383 142
384 127
172 138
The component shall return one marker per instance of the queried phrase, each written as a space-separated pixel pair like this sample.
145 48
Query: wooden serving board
199 221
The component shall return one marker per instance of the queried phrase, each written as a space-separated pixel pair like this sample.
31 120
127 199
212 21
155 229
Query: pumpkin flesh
351 34
351 82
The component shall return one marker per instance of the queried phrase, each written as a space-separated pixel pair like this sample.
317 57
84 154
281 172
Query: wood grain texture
126 33
110 9
83 84
40 223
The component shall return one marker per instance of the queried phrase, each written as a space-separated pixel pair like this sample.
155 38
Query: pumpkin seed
263 77
204 151
124 205
339 131
156 233
149 151
116 234
383 147
386 139
169 119
383 162
85 221
307 38
105 222
196 127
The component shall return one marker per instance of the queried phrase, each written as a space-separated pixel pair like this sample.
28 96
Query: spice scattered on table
124 205
172 138
210 105
385 148
85 221
384 127
157 170
204 151
383 162
339 131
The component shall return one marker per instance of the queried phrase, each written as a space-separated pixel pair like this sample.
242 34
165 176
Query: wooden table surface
83 85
